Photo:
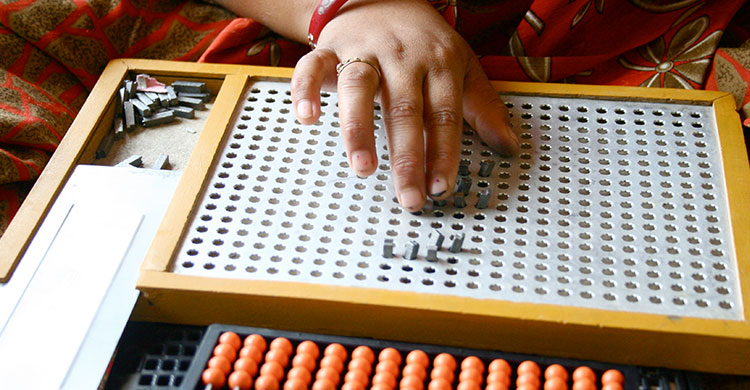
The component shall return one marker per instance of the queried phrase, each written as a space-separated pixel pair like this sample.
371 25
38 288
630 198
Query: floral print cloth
54 50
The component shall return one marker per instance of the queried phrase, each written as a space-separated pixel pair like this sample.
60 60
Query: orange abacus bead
612 386
418 357
282 343
357 376
323 384
220 362
257 341
304 360
384 378
415 369
443 372
266 382
213 377
246 364
360 363
232 339
240 380
226 350
472 362
470 374
309 348
496 386
530 367
498 377
277 355
364 352
300 373
332 361
295 384
388 366
337 350
584 372
273 369
445 360
556 371
555 383
439 384
252 352
583 384
469 385
390 354
328 373
500 365
528 379
611 376
353 386
411 382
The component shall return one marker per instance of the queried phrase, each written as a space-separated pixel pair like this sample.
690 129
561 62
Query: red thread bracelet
324 12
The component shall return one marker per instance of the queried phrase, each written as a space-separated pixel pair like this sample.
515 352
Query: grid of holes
610 204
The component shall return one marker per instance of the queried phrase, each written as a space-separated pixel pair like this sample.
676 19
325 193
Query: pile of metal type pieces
146 102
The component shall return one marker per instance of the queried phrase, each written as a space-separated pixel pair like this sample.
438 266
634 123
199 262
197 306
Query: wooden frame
720 346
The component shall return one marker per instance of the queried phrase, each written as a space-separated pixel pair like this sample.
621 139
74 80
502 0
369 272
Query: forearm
289 18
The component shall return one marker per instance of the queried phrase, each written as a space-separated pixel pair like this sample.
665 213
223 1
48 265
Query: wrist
323 13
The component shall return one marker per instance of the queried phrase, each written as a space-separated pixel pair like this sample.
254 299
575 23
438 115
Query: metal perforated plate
611 204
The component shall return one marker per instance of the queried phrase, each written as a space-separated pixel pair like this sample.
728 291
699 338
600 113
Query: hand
430 81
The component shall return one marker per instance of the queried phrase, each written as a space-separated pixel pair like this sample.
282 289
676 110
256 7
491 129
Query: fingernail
411 199
438 187
361 162
304 109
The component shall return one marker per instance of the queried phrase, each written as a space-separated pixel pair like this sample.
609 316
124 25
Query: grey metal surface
616 205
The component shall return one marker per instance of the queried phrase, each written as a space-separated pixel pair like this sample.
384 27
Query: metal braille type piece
130 88
172 96
143 98
162 162
142 108
463 168
183 112
135 160
163 99
432 251
459 201
159 118
121 98
457 242
104 147
204 96
129 116
412 249
484 199
118 128
154 96
438 237
191 102
464 185
189 86
485 168
439 203
388 248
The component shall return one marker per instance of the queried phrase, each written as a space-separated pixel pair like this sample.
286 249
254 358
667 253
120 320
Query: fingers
357 85
308 79
402 113
443 121
486 112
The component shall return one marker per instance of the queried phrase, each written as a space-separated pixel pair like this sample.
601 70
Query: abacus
243 358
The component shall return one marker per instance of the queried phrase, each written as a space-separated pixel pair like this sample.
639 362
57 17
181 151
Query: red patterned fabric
54 51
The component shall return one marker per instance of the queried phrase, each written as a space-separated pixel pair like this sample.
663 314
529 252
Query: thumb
486 113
